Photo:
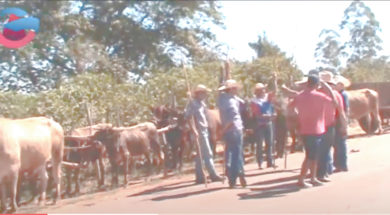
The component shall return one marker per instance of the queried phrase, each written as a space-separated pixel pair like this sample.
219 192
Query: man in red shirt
310 105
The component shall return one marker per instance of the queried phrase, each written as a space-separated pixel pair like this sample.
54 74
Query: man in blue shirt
263 112
197 109
229 107
340 147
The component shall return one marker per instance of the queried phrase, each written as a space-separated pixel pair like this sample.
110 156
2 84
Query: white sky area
294 26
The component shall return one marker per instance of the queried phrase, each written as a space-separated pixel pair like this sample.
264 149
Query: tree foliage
357 56
270 60
329 49
135 36
363 29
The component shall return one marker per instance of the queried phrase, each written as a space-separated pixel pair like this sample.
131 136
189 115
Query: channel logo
19 28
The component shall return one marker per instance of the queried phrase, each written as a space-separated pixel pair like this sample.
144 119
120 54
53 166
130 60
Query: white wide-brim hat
229 84
341 79
201 88
327 76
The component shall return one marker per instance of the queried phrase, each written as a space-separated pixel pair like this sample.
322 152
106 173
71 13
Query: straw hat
341 79
327 76
259 86
201 88
229 84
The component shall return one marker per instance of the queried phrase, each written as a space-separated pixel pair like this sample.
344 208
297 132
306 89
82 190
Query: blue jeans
325 165
340 151
234 155
264 134
207 156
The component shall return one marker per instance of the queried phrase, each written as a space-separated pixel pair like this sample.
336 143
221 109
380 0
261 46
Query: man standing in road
232 130
263 112
325 166
310 105
197 109
340 147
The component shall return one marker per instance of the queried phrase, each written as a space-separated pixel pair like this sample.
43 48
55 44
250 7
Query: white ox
27 145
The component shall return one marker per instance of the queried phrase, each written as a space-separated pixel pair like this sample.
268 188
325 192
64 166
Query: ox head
165 115
109 137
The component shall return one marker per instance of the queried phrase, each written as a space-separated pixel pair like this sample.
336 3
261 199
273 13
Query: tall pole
192 122
88 107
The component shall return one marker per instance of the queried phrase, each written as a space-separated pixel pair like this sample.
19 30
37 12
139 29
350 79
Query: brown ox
215 126
80 151
179 138
364 106
27 145
125 142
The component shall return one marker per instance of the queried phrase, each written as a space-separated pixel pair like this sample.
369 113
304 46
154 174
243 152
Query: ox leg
148 166
56 174
68 181
114 174
125 167
43 177
13 190
3 190
99 172
77 180
18 187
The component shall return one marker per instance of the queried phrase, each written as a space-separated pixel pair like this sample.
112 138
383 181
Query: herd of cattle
32 146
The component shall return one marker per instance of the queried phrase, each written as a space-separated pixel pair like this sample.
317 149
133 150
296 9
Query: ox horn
165 129
129 128
79 148
70 165
78 138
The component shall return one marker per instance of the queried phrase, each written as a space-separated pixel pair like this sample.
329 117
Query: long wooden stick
192 122
88 107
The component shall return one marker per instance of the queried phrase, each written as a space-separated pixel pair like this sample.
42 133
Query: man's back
311 106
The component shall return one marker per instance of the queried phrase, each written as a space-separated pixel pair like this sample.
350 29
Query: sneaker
199 181
340 170
242 181
315 182
232 185
324 179
303 184
216 178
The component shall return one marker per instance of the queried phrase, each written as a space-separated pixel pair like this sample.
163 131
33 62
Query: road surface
364 189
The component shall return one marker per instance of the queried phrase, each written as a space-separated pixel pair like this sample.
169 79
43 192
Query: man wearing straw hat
197 109
325 166
232 126
310 105
340 146
263 111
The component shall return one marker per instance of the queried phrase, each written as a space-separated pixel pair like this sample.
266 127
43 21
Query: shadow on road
271 191
173 186
188 194
272 172
278 180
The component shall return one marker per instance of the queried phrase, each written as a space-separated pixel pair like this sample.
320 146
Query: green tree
364 42
369 70
270 60
80 36
329 50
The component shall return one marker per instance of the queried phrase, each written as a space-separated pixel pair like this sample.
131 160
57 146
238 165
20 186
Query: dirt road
364 189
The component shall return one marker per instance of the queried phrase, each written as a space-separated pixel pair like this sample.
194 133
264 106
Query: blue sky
292 25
